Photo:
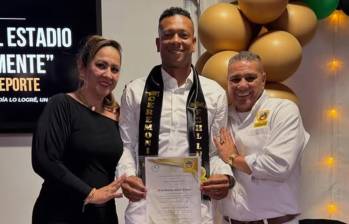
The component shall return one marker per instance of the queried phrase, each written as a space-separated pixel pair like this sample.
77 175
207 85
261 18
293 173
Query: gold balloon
278 90
201 61
281 54
262 11
223 27
299 20
216 67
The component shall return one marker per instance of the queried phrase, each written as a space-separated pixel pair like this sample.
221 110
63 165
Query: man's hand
216 187
225 144
133 188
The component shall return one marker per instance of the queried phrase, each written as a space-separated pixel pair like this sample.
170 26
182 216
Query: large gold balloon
299 20
216 67
278 90
281 54
223 27
202 61
262 11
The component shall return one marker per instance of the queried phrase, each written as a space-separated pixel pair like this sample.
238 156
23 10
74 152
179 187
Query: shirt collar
171 83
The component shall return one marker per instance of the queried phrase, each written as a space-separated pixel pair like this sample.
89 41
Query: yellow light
329 161
334 65
332 113
332 208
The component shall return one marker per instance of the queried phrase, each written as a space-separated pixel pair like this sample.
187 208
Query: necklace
84 100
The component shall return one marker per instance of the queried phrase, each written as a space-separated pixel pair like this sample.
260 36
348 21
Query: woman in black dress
77 144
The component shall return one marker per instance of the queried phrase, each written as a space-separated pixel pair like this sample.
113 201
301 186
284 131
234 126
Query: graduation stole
150 114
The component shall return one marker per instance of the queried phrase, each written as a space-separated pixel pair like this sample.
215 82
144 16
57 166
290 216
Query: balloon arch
276 30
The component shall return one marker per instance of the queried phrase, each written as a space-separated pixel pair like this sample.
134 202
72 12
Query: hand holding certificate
173 190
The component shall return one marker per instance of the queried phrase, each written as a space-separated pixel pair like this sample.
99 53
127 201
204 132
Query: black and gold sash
150 114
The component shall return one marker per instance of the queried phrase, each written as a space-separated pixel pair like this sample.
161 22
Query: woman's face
102 73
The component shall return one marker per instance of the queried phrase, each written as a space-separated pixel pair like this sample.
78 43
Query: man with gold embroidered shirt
266 150
172 112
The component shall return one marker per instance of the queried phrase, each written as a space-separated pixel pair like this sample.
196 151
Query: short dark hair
245 56
174 11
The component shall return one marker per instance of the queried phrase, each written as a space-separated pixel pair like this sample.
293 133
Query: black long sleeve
74 149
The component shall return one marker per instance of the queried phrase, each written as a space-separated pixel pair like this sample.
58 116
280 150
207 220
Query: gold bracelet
88 198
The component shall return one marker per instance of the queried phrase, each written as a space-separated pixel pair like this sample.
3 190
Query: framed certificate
173 185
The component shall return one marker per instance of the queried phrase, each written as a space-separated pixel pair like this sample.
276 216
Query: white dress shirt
173 139
272 144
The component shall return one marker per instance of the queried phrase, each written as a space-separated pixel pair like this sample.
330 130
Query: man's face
176 41
246 80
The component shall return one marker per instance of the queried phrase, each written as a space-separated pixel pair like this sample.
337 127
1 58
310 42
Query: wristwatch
232 158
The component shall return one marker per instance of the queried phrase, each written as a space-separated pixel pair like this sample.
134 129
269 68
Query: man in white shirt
266 150
172 112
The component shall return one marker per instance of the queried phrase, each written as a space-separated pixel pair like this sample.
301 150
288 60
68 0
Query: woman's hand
106 193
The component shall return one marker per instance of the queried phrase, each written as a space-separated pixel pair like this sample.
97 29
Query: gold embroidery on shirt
148 126
261 118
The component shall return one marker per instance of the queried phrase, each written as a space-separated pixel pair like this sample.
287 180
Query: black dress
74 149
